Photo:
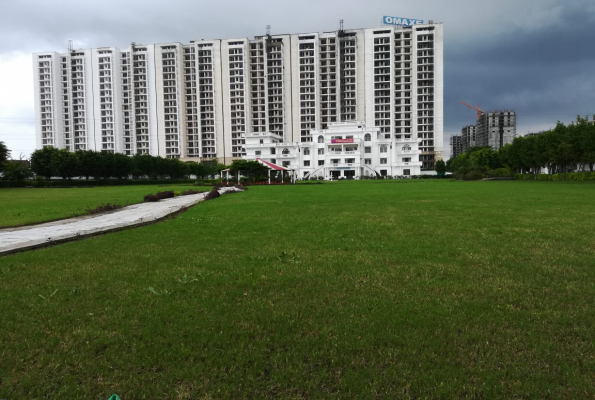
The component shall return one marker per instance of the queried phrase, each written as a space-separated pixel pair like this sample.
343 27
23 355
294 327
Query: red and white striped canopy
272 166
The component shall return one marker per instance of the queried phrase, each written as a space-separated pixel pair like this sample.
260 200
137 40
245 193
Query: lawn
412 289
24 206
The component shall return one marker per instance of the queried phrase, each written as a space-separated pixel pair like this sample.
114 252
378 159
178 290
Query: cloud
17 123
543 74
533 56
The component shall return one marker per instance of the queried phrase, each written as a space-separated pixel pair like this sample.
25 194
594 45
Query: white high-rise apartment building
199 100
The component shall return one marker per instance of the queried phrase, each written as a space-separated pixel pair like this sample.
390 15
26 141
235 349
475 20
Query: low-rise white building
349 150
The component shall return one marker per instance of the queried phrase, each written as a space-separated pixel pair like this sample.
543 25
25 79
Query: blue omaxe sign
401 21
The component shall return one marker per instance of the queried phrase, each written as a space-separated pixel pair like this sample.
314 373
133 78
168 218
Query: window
407 159
367 149
406 172
383 161
406 148
335 161
320 139
257 152
367 137
286 164
307 151
306 163
320 151
367 161
285 151
273 150
261 141
320 162
383 148
350 160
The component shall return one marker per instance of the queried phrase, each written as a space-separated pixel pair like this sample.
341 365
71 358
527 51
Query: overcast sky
536 57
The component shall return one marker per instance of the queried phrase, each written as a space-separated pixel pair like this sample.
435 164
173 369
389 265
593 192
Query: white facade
200 100
348 150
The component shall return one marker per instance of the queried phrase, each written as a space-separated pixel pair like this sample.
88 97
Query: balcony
356 164
342 153
408 164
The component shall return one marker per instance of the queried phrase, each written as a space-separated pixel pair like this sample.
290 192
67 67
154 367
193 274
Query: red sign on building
341 140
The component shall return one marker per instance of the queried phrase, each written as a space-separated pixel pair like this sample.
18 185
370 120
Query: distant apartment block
469 136
496 128
456 146
493 129
199 100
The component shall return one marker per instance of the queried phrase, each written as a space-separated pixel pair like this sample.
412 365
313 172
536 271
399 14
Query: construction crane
478 109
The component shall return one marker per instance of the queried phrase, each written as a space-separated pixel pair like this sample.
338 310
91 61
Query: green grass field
413 290
24 206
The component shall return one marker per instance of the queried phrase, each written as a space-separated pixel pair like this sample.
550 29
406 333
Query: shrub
149 198
103 208
213 194
570 176
473 176
501 172
177 193
164 195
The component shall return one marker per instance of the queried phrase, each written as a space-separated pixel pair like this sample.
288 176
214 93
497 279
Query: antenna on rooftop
268 30
70 46
341 25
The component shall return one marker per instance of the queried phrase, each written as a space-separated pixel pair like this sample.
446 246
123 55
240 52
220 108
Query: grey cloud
534 56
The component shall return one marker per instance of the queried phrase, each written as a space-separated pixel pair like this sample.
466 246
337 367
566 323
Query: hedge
570 176
106 182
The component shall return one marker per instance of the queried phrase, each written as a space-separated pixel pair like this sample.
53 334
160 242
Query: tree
41 162
449 163
121 166
485 157
254 170
17 170
144 165
174 168
196 169
64 164
440 167
86 163
210 167
588 144
4 156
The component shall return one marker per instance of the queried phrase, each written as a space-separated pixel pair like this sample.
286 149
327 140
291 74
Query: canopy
272 166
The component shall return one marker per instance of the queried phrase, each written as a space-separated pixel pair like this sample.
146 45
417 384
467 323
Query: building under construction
496 128
493 129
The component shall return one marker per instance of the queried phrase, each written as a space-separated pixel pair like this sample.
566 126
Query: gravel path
29 237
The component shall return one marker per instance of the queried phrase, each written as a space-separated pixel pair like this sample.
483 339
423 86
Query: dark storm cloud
533 56
544 75
50 24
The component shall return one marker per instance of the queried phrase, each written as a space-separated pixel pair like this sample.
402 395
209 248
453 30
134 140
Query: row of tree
560 149
51 162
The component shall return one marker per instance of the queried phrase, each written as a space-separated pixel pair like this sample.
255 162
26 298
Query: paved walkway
29 237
